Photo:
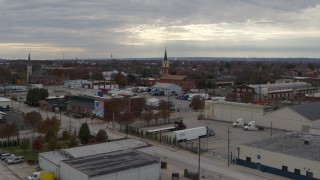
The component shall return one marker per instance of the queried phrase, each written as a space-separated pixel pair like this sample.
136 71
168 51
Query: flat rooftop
56 156
112 162
2 99
291 144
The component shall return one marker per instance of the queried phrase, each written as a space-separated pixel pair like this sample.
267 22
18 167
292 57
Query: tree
148 116
73 141
8 130
50 134
52 144
52 124
125 118
102 136
84 133
35 95
196 103
156 117
65 135
32 118
37 145
164 110
24 144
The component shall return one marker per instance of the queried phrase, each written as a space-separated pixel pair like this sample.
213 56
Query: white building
119 165
51 161
293 155
231 111
167 88
301 118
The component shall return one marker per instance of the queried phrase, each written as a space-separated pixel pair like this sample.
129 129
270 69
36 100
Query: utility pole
207 124
271 129
229 146
199 159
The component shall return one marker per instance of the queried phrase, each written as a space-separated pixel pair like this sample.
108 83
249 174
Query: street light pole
229 146
207 124
199 159
179 110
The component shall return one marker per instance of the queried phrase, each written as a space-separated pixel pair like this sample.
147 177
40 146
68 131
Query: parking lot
218 144
16 171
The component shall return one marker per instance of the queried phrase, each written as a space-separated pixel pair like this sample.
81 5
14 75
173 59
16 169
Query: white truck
192 133
252 127
239 123
153 102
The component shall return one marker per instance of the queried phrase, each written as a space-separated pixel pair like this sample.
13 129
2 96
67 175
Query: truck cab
239 123
252 126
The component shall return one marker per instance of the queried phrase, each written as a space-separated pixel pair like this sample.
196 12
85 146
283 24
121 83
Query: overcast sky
49 29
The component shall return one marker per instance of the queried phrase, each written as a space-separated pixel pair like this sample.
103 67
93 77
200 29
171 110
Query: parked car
34 176
3 156
16 160
9 157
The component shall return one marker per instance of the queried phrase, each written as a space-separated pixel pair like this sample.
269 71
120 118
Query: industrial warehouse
293 155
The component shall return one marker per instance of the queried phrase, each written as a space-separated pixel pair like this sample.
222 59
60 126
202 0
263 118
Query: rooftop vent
306 141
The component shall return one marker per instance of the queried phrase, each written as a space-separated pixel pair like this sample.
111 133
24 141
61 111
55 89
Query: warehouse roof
56 156
291 144
102 148
257 106
308 110
280 85
107 163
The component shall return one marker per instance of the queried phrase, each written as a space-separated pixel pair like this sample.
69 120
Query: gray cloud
142 28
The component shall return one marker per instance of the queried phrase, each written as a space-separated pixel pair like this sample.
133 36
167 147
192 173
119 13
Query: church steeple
165 64
165 55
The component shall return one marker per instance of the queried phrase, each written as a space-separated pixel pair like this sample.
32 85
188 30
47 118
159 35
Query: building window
297 171
285 168
248 159
309 174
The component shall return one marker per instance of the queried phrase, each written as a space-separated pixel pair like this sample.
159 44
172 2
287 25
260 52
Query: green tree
102 136
73 141
35 95
84 133
52 144
24 144
50 134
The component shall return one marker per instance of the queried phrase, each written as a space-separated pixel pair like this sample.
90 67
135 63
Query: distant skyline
57 29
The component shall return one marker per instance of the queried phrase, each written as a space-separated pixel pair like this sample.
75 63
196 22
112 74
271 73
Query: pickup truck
16 160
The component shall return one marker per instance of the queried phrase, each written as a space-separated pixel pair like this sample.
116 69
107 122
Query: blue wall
272 170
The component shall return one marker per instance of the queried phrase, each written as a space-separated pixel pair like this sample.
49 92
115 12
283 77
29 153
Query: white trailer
153 102
190 134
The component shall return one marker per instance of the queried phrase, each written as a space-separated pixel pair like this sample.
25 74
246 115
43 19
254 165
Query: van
16 160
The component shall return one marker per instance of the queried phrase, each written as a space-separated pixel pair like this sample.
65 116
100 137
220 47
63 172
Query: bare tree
148 116
196 103
164 110
33 118
8 130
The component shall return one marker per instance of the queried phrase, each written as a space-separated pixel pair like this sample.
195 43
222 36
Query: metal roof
107 163
102 148
309 110
291 144
56 156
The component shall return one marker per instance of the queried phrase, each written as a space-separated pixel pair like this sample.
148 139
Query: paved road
209 167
